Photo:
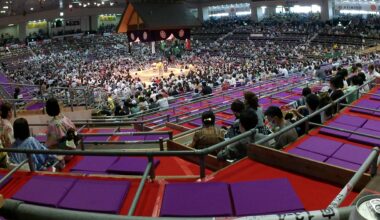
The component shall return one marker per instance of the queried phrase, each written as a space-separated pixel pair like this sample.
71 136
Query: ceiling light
5 7
2 12
70 6
111 3
61 14
10 25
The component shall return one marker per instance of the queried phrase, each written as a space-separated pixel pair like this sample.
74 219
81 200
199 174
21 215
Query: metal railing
21 208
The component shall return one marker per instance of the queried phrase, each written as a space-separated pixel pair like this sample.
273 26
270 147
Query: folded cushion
352 153
366 140
94 163
95 138
375 97
320 145
196 122
132 138
44 190
372 125
307 154
96 195
196 200
156 137
337 133
354 121
342 163
264 197
130 165
366 104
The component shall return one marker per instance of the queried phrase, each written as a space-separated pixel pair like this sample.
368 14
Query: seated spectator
143 104
363 79
302 101
312 105
162 102
252 102
25 141
336 87
209 134
276 119
134 107
152 104
196 94
58 127
6 128
355 83
238 150
206 89
237 107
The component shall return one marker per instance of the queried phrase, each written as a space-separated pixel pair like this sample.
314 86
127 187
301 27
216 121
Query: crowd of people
109 65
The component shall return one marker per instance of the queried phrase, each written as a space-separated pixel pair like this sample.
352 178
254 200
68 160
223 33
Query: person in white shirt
162 102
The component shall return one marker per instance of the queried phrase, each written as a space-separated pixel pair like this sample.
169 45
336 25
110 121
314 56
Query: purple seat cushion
375 97
366 140
342 163
132 138
156 137
196 122
366 104
320 145
94 163
95 138
281 95
352 153
350 120
130 165
196 200
372 125
264 101
264 197
96 195
308 154
337 133
44 190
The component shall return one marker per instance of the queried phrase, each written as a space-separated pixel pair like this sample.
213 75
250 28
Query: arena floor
147 75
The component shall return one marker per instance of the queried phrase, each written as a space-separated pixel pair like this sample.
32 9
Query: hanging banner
158 35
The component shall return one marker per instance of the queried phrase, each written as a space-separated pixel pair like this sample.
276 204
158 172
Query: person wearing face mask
238 150
276 119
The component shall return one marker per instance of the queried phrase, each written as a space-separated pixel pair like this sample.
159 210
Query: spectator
152 104
6 128
238 150
162 102
252 102
25 141
209 134
355 83
336 86
206 89
196 94
237 107
134 107
58 127
276 119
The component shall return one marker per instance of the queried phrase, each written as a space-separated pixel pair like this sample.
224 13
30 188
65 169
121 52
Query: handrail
140 188
351 184
198 152
194 101
14 209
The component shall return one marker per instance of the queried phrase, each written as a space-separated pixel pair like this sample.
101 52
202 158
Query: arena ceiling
23 7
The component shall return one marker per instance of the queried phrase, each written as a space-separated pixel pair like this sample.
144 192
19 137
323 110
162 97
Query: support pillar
200 14
22 31
270 11
327 10
254 15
